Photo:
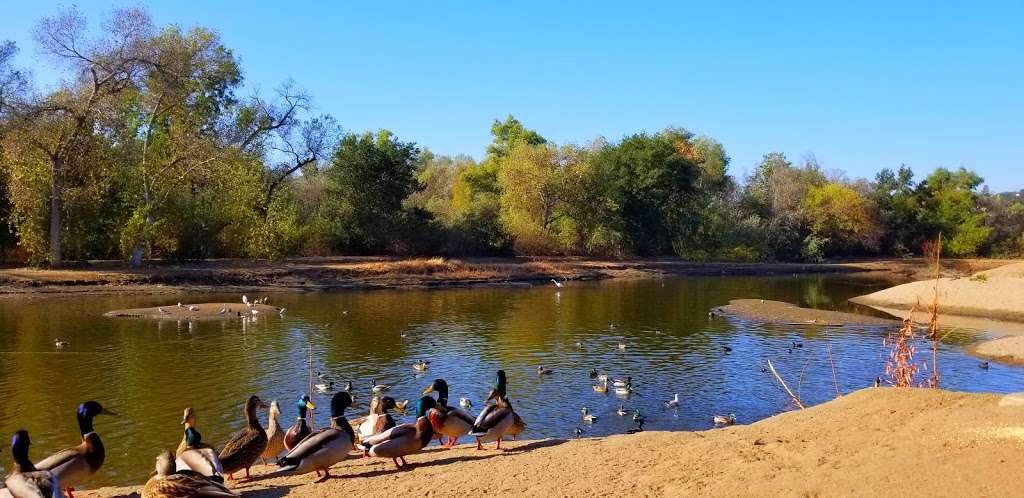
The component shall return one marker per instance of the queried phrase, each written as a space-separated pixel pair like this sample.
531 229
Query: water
149 371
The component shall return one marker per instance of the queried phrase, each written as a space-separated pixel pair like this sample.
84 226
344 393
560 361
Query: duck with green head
300 429
406 439
494 420
73 466
193 454
454 421
168 483
323 448
25 481
242 450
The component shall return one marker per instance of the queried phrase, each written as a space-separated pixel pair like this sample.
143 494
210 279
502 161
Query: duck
60 343
25 480
517 427
622 346
323 388
275 435
579 345
544 371
245 300
727 349
465 403
624 390
724 419
162 311
194 308
494 420
674 402
578 431
621 411
323 448
602 387
602 378
242 450
557 283
168 483
401 405
73 466
378 420
622 382
421 366
452 421
593 373
983 365
193 455
588 417
406 439
299 430
378 388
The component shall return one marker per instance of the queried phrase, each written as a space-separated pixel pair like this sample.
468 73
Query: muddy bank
782 313
959 444
324 274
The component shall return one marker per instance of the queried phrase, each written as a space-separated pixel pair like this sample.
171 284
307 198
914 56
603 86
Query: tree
372 175
533 190
897 203
842 217
949 205
775 193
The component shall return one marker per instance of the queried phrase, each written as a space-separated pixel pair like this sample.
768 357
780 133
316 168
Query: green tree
841 217
949 205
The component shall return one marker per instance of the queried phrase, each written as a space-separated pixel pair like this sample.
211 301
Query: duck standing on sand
494 420
299 430
72 466
378 420
24 480
166 483
275 435
406 439
323 448
453 422
193 455
242 450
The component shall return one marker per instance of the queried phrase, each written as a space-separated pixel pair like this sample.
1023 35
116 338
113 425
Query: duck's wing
190 485
322 448
242 449
488 419
32 484
69 466
461 415
315 442
62 457
396 432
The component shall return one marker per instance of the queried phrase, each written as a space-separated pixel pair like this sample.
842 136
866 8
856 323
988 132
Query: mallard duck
544 371
593 373
323 448
61 343
494 420
465 403
621 411
275 435
378 420
453 422
622 382
166 483
724 419
323 388
602 378
400 406
299 430
625 389
602 387
24 480
421 366
622 346
673 403
242 450
74 465
398 442
378 388
588 417
193 455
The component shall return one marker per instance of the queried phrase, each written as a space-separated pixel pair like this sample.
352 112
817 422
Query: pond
149 371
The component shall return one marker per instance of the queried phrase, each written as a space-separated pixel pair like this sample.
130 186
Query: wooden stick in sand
784 386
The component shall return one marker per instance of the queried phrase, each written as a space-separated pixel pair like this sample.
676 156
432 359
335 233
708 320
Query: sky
860 85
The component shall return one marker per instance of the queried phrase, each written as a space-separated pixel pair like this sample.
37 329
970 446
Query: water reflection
148 371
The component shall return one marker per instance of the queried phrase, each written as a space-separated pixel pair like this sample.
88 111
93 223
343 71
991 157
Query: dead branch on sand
778 377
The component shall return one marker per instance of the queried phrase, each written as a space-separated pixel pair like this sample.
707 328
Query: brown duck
242 450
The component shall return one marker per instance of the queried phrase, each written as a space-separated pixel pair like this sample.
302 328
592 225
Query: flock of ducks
196 469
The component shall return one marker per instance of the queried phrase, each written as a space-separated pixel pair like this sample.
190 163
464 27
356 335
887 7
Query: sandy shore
197 311
874 442
991 300
782 313
339 273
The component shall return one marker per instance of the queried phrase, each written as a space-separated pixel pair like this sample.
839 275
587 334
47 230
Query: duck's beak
429 389
310 405
114 414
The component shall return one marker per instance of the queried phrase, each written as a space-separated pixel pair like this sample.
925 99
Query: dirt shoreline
957 444
342 273
782 313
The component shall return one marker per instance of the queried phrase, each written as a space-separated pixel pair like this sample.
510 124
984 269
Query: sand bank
783 313
197 311
874 442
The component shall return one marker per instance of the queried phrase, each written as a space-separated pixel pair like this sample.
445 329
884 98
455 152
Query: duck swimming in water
75 465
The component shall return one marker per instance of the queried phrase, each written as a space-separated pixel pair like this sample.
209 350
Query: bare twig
778 377
835 380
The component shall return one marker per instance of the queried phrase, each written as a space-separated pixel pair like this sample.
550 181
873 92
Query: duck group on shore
196 469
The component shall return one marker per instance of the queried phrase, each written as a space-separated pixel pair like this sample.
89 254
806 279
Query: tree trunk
140 246
56 218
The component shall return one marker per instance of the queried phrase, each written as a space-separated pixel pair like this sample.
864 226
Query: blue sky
860 85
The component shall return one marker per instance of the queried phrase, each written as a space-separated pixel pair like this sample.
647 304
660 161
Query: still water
149 371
